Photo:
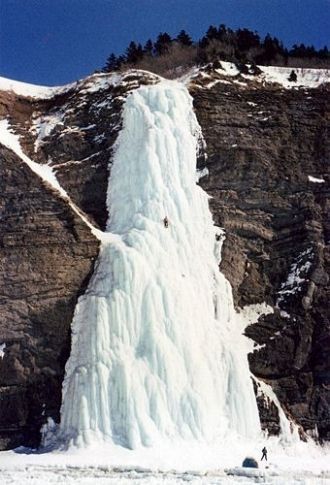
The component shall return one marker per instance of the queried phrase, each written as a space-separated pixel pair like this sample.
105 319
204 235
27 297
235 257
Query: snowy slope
90 84
308 78
32 90
228 73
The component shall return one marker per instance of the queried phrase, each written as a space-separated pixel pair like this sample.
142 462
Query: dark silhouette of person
264 453
165 220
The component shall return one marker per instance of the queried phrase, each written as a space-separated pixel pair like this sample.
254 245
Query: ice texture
156 352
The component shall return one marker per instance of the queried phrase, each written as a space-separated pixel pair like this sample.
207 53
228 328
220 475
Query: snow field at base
157 354
300 464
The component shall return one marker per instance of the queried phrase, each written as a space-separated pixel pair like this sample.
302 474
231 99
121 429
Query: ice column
155 350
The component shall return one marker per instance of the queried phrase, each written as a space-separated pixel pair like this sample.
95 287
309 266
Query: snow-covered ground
299 464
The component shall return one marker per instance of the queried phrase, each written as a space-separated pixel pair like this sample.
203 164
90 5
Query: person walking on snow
264 453
165 220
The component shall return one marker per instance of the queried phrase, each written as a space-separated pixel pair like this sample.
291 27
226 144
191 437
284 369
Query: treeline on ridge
167 54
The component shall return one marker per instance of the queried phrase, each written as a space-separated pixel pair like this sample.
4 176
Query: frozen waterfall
156 354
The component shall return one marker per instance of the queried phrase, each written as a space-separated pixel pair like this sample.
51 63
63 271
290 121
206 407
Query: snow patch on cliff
11 141
44 125
297 275
204 172
315 180
2 350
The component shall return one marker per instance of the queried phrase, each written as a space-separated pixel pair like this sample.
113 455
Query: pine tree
298 50
222 32
324 53
271 48
184 39
204 42
134 53
162 44
121 60
246 39
111 64
212 33
148 48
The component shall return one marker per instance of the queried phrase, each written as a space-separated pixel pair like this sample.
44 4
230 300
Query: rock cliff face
265 145
264 148
46 255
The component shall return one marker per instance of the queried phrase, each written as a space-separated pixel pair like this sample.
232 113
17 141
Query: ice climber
165 220
264 453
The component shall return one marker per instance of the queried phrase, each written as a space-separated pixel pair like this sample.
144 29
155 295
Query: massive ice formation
155 350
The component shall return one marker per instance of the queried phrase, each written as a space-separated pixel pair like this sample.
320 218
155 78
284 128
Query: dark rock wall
262 143
46 257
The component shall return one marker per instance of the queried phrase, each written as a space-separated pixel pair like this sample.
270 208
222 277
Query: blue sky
53 42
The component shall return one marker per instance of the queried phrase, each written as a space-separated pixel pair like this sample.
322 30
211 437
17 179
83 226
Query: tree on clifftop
114 63
184 39
163 44
134 53
148 48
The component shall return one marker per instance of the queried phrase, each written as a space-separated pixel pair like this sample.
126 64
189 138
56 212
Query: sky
53 42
